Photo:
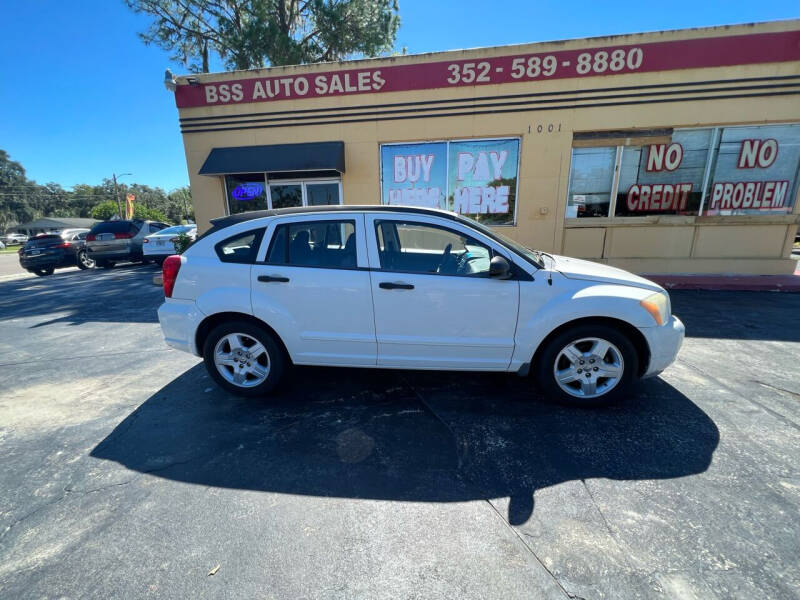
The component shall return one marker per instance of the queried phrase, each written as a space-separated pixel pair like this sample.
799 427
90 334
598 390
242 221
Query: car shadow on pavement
125 294
405 435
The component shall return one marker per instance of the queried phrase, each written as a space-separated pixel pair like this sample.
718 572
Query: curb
731 283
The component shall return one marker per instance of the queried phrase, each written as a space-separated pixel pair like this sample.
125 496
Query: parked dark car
112 241
43 253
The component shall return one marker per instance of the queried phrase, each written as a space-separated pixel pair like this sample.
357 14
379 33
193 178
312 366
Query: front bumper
664 342
179 320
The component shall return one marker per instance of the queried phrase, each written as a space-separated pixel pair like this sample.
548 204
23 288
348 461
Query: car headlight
658 306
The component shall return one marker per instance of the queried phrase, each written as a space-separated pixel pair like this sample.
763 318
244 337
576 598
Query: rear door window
240 248
325 244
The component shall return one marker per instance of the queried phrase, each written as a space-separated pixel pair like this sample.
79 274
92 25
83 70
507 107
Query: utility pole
116 194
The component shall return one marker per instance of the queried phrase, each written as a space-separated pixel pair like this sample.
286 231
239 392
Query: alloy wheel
589 367
242 360
85 260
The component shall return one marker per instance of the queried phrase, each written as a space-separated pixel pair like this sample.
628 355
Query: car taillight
91 237
63 245
169 273
123 236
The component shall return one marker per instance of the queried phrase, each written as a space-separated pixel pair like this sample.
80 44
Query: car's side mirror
499 268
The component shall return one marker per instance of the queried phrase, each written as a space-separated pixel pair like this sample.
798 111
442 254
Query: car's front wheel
244 358
587 365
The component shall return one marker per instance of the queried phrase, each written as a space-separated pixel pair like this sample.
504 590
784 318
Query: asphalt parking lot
126 473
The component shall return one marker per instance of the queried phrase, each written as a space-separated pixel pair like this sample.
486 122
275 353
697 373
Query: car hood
574 268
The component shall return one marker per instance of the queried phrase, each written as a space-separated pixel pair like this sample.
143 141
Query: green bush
182 243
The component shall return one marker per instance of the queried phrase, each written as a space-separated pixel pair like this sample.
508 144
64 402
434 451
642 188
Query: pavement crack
782 418
101 355
527 546
776 388
32 513
461 446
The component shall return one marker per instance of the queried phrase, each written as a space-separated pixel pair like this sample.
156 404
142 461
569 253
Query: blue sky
81 97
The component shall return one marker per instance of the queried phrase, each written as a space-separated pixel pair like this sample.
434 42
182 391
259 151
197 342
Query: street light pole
116 192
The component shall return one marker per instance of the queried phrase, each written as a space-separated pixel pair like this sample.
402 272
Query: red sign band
564 64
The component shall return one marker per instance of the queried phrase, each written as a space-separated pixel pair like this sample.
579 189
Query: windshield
531 255
176 229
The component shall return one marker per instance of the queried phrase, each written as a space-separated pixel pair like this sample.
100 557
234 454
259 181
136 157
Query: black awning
314 156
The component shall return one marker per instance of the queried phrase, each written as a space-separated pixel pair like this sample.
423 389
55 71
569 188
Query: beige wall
735 244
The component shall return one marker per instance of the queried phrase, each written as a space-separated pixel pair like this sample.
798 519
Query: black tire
44 271
83 261
544 369
274 352
106 264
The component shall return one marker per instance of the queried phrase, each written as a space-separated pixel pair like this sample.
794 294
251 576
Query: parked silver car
112 241
14 238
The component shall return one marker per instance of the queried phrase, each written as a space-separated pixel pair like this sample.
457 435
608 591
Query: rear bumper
163 251
664 342
46 260
179 320
109 254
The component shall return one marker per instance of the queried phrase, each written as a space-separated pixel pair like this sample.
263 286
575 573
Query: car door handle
269 278
388 285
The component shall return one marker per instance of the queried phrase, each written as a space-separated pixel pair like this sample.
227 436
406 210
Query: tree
250 34
180 205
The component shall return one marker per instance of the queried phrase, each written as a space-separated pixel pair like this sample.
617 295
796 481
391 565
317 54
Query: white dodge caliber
408 288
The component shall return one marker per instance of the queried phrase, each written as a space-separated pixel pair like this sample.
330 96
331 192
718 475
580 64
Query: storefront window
320 194
711 171
246 192
256 192
756 171
664 178
285 196
590 182
471 177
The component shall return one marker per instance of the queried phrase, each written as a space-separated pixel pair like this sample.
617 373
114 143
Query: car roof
222 222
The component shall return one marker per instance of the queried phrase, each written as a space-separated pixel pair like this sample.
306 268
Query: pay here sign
471 177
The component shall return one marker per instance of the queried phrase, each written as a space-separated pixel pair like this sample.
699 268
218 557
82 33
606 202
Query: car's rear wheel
83 260
244 358
587 365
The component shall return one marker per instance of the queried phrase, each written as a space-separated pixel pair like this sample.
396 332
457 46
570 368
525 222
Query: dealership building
666 152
